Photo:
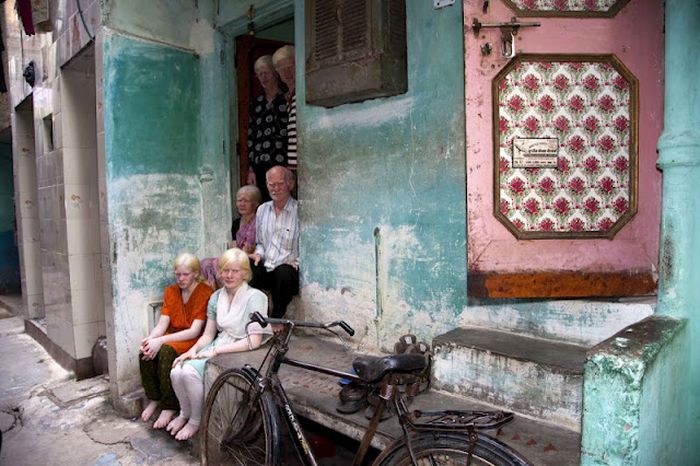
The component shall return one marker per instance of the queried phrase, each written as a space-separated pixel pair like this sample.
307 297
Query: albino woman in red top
180 325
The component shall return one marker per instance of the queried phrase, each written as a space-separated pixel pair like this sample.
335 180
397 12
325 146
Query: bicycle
241 422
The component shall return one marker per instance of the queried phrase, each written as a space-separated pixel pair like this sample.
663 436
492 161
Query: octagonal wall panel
584 183
615 252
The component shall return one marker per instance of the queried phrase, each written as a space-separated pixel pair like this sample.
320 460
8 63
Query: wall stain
667 254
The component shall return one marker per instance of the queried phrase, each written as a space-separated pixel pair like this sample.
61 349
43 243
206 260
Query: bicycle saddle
372 368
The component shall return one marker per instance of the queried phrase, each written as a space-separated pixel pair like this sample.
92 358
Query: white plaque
535 152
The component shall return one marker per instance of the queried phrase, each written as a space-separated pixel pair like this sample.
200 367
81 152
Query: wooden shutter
355 50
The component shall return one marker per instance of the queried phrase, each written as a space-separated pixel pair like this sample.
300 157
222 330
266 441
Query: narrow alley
47 417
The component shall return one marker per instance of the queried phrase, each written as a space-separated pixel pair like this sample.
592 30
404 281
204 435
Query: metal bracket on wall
508 33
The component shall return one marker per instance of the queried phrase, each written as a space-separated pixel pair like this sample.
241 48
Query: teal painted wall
152 157
167 159
663 409
396 164
633 398
215 147
9 255
153 99
679 158
167 176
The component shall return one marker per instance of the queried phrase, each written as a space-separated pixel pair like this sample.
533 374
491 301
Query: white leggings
189 388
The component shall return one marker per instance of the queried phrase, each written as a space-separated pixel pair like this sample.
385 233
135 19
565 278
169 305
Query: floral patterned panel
581 8
589 106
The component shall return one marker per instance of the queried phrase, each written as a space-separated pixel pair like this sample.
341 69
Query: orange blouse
182 315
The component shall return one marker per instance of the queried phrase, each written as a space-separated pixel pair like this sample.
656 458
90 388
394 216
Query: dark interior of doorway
248 49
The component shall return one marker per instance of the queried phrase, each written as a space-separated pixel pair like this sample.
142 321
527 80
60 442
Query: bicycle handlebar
263 321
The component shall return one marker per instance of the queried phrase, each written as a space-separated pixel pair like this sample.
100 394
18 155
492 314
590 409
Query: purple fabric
245 237
210 271
24 8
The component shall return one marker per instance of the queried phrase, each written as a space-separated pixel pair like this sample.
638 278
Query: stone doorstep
314 396
539 378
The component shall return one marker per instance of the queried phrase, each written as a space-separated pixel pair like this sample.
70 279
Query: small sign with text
535 152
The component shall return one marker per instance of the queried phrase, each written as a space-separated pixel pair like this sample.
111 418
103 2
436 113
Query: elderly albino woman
228 311
248 198
180 324
267 126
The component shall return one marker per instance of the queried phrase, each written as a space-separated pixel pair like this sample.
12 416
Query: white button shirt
277 236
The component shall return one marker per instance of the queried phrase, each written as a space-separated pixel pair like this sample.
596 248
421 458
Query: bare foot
149 410
164 419
187 432
176 424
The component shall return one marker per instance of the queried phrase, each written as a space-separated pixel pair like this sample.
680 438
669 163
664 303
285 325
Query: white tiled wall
27 211
58 184
79 146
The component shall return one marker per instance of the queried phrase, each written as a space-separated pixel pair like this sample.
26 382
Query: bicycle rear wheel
240 426
447 449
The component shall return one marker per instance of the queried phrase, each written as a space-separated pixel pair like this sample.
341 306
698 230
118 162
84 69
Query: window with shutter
355 50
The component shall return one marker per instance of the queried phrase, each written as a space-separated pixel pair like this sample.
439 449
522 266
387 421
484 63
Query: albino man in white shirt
275 262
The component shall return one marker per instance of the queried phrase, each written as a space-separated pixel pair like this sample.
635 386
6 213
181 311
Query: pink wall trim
635 37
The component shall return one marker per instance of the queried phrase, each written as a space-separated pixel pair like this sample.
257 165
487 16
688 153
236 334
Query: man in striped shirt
275 262
283 61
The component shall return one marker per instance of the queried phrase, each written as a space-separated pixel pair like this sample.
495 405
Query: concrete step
314 396
538 378
584 322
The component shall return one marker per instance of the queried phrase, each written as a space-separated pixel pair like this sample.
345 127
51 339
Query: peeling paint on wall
167 187
634 385
584 322
524 386
201 37
396 164
164 21
147 231
381 113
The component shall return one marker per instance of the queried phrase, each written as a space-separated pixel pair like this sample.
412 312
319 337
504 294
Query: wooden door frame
248 49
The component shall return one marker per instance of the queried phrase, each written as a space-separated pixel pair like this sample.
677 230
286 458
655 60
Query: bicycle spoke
236 425
439 449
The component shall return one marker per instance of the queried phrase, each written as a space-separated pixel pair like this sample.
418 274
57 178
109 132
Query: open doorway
250 47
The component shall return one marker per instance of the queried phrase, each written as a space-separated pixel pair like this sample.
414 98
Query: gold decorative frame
607 62
538 9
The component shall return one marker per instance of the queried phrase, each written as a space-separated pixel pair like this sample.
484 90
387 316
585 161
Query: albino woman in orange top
180 325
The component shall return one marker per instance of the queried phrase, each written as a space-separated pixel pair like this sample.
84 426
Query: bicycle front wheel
441 448
240 426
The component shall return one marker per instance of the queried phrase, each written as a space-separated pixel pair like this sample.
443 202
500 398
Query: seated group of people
197 323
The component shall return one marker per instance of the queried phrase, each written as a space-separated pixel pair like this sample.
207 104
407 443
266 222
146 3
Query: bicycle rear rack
455 420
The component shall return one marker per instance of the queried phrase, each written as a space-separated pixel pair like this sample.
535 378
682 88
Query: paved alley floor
49 418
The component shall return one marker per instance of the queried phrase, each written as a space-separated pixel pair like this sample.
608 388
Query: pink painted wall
635 36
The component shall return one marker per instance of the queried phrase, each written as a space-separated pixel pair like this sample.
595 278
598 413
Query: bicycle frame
267 378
